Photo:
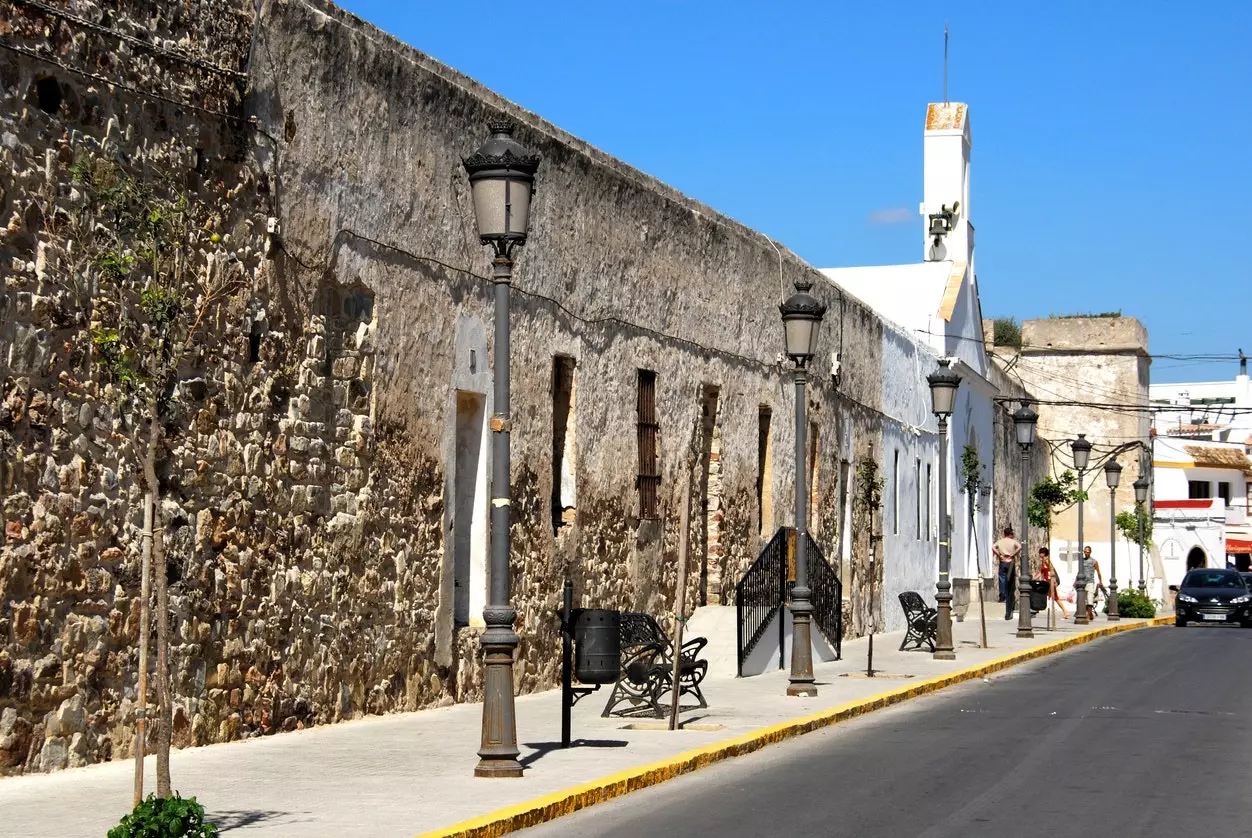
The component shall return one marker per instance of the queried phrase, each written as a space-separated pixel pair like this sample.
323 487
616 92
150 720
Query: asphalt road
1141 734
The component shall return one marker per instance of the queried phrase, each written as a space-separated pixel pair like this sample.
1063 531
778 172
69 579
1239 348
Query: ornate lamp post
1024 421
1081 449
802 316
502 180
1141 511
1113 476
943 386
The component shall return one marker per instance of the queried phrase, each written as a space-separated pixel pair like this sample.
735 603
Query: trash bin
1039 594
597 645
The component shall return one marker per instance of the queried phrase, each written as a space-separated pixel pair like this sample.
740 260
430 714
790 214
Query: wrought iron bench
923 621
648 668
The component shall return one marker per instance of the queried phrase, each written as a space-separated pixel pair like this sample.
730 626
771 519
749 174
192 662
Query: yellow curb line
570 800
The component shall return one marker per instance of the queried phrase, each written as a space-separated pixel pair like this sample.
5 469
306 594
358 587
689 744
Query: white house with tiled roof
936 301
1200 515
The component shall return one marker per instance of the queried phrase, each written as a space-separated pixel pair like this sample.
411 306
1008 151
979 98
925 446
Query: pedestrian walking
1047 571
1006 550
1095 581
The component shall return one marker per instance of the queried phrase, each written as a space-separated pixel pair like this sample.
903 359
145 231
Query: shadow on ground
542 749
242 819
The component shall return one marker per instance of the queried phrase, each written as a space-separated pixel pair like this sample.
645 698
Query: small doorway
1196 559
469 507
710 498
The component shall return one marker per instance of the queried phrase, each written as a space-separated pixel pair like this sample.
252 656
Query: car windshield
1213 579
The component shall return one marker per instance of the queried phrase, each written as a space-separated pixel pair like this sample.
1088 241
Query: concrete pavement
1144 734
412 773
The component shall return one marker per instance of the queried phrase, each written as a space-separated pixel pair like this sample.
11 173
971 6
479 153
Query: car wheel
1247 624
1180 622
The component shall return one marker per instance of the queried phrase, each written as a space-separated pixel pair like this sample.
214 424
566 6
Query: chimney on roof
945 192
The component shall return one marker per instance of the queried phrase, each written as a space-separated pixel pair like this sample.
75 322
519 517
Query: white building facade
935 303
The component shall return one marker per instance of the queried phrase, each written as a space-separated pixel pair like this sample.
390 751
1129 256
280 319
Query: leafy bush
168 817
1007 332
1131 603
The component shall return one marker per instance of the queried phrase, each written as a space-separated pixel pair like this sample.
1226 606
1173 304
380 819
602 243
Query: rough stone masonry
320 471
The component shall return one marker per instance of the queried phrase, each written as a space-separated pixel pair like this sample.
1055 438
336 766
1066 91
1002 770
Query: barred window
649 480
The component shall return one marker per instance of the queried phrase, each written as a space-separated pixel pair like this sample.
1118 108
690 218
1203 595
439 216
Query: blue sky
1111 140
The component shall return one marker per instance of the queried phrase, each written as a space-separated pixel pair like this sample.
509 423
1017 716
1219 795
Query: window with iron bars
649 480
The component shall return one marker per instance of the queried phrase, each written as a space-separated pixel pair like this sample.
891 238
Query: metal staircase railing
764 588
827 598
759 595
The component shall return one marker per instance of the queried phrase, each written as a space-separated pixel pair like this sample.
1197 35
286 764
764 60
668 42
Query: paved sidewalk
407 774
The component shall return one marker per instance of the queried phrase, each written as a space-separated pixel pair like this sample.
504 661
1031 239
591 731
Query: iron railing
765 587
827 598
759 595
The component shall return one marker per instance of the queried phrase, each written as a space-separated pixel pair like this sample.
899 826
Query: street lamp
502 181
1024 421
943 386
1141 510
802 317
1081 449
1113 476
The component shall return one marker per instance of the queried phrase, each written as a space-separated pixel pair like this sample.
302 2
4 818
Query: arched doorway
1196 558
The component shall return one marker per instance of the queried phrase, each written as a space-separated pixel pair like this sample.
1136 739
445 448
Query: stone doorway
710 498
469 509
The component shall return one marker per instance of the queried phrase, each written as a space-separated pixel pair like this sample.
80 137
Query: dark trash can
1039 591
597 645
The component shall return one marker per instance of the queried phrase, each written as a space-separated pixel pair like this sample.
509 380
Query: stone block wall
306 482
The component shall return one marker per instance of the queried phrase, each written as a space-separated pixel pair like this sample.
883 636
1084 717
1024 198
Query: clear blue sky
1111 159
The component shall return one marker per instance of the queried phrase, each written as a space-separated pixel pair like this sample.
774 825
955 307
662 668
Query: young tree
1050 496
971 485
161 276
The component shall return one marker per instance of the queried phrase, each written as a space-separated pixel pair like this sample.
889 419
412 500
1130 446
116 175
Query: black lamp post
1141 511
802 318
1113 476
502 181
1024 421
943 386
1081 449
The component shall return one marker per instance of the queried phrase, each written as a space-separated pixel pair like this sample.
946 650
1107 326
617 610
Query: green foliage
159 305
1050 494
116 359
1081 314
1007 332
1128 525
868 486
116 266
1131 603
169 817
971 471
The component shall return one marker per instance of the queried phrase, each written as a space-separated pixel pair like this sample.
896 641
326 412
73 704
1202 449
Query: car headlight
1240 600
1187 598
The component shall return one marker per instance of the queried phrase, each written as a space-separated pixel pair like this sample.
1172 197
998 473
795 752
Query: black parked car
1213 595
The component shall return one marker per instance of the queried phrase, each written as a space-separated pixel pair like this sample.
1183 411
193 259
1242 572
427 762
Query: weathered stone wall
1095 372
307 487
1007 472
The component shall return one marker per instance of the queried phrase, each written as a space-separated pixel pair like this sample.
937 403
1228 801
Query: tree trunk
145 638
165 705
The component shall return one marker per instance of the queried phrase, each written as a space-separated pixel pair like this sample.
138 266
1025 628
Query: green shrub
1007 332
165 817
1131 603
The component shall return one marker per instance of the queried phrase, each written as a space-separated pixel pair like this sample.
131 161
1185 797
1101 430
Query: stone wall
308 484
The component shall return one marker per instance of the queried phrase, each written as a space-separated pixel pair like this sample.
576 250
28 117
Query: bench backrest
640 629
913 604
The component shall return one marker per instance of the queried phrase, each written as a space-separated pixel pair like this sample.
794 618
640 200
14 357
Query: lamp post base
1024 625
802 682
944 650
1113 615
497 757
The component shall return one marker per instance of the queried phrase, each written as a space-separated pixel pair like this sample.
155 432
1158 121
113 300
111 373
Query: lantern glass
1081 449
502 205
1141 490
799 333
943 386
1112 473
1025 421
